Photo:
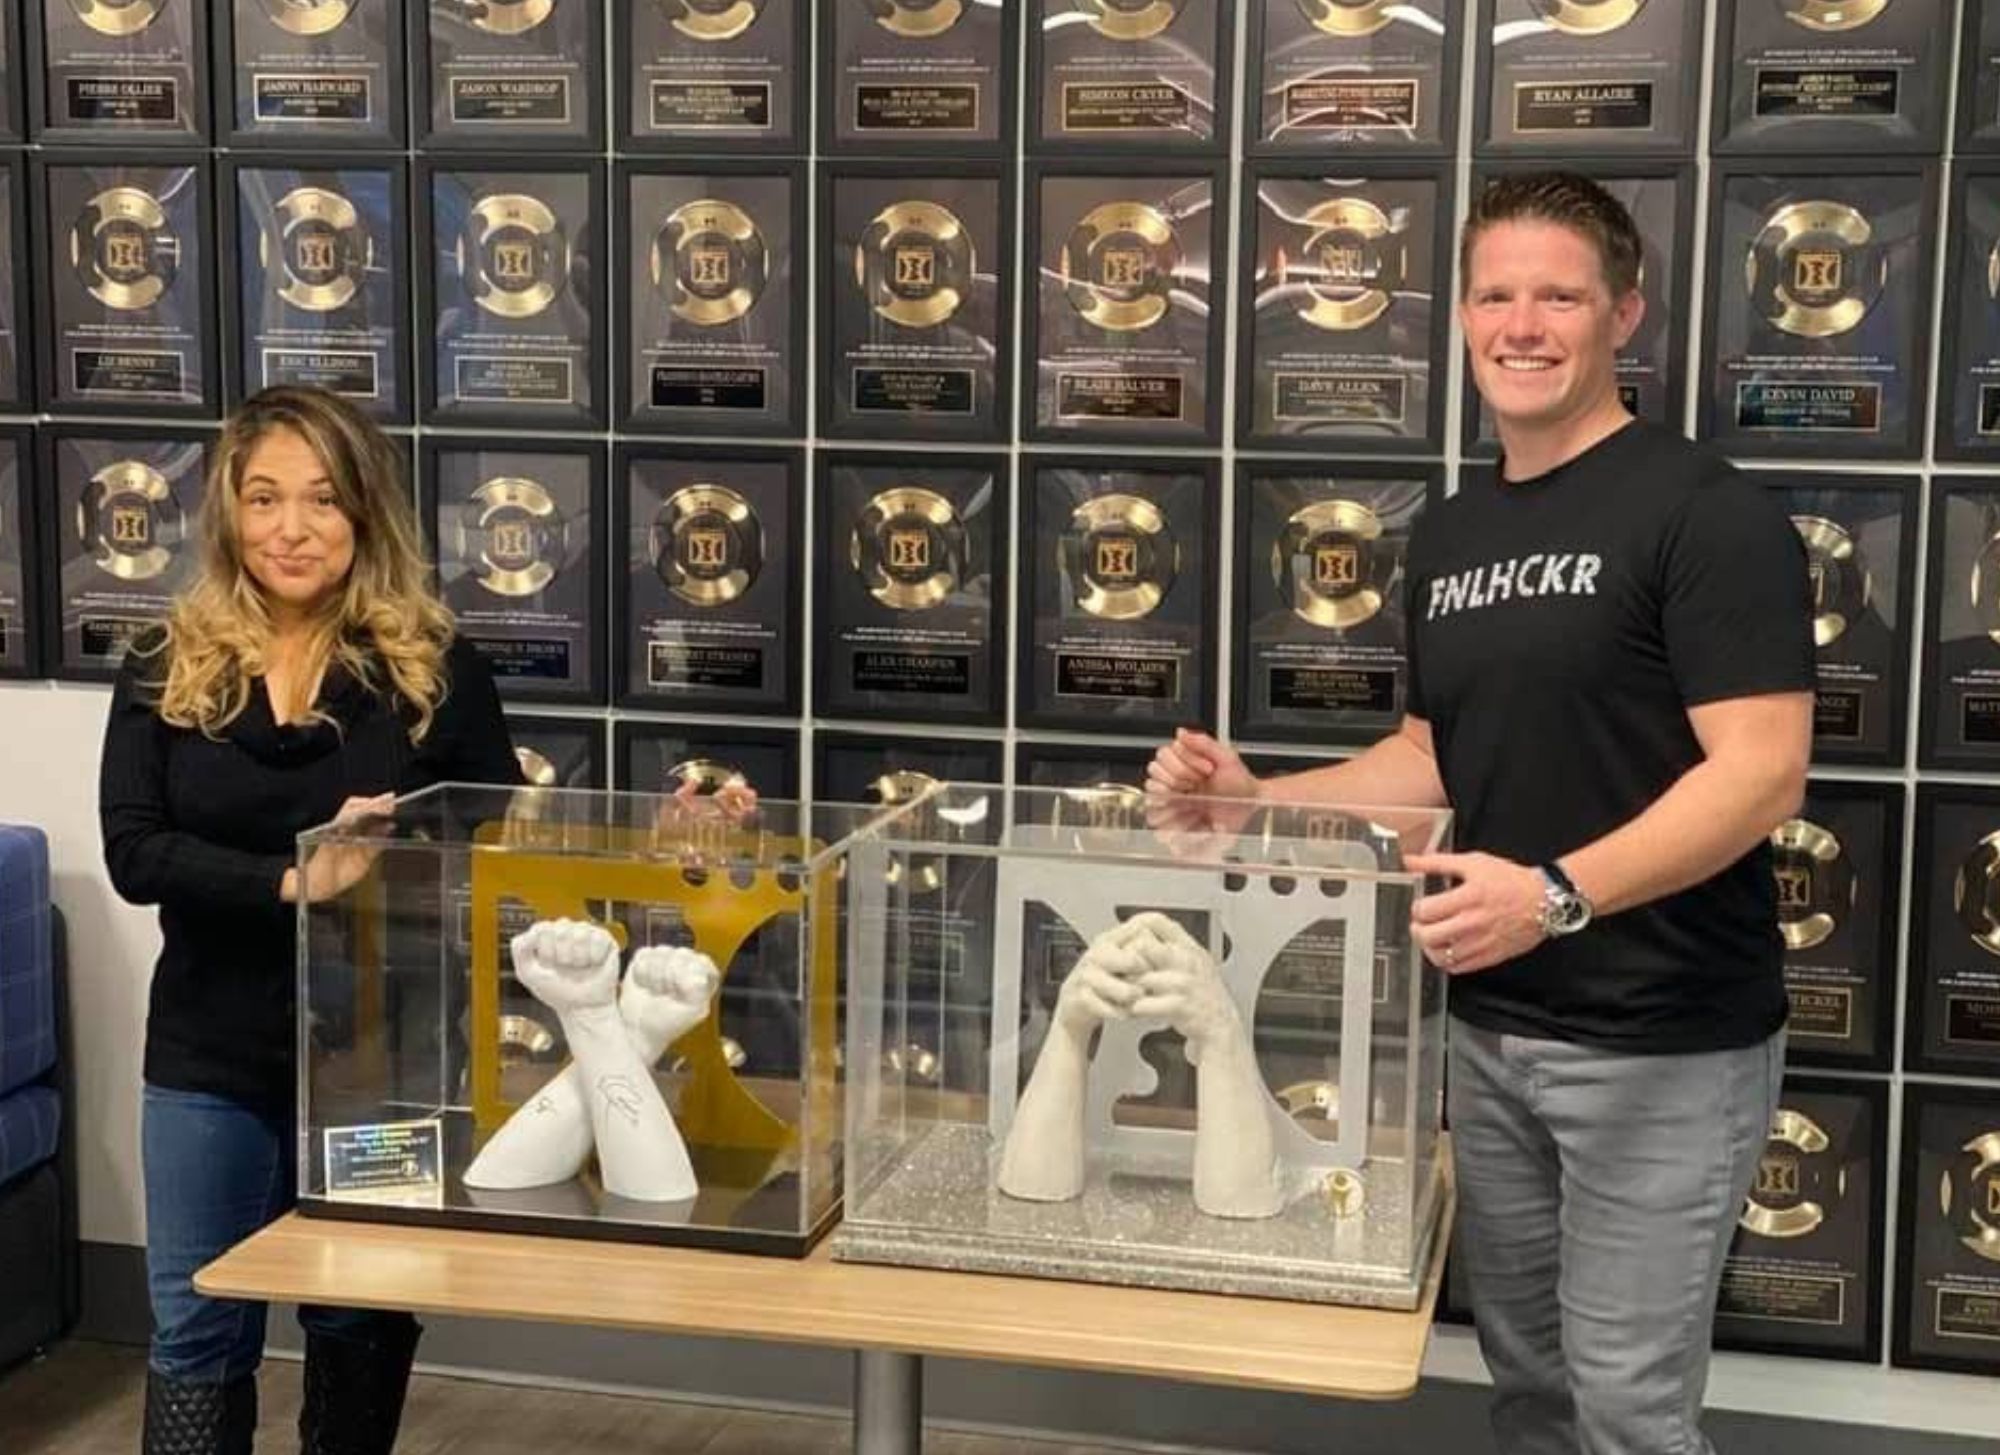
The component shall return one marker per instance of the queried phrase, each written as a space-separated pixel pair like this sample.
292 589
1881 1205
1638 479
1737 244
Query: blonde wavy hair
385 626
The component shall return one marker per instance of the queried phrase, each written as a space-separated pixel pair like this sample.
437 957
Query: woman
309 673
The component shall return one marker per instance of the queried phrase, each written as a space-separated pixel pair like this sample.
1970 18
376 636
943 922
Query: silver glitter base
939 1209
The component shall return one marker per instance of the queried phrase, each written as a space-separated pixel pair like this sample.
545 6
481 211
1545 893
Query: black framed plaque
310 73
319 280
118 72
865 768
710 75
17 386
1124 74
1119 771
1125 328
916 307
1573 78
1318 591
1952 1019
910 590
1803 1274
13 80
512 294
20 558
120 538
1832 76
1118 595
559 752
659 757
1860 534
1374 75
1958 720
708 579
715 333
929 76
1948 1231
1346 296
1652 367
127 317
521 551
509 73
1817 311
1978 108
1968 396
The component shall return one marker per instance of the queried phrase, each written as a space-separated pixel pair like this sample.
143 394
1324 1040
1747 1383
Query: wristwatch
1564 908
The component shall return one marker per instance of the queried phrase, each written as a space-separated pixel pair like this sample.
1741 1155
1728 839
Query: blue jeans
215 1172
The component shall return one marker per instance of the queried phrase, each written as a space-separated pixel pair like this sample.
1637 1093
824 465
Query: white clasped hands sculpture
1149 967
606 1096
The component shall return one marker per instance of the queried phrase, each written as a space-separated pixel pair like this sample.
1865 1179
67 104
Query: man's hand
1491 915
1194 762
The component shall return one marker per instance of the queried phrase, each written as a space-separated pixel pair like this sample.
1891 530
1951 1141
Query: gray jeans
1597 1196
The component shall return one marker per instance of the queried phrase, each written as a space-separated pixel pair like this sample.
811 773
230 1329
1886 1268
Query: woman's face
294 539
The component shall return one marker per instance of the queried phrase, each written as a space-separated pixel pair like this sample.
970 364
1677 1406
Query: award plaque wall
16 353
1952 1020
714 75
1362 75
1577 78
310 73
663 757
1968 392
1979 78
1948 1231
1125 75
118 72
510 73
559 752
1958 722
916 76
20 558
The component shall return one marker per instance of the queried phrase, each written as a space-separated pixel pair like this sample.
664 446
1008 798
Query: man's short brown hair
1566 199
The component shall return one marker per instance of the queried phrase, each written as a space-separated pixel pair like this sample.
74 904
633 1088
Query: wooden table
891 1317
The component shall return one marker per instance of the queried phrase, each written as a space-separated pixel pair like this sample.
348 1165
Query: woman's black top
205 828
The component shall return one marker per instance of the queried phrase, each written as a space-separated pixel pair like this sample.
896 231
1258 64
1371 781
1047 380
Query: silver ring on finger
1450 955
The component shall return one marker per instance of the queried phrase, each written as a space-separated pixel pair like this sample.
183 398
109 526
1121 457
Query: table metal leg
888 1403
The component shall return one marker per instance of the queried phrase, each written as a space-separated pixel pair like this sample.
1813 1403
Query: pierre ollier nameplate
715 306
1319 601
1128 73
713 74
124 506
1580 77
121 71
709 590
1952 1020
1345 301
519 549
1119 596
512 275
1978 107
1818 297
126 287
1959 721
19 610
1804 1272
917 335
507 73
1374 74
1832 76
909 584
916 75
1948 1232
15 385
312 73
1968 412
1126 325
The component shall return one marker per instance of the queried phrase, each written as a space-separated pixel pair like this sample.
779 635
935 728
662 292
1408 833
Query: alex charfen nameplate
1959 722
1119 596
1948 1232
19 630
315 72
910 587
507 73
1952 1020
519 548
1818 299
122 70
124 503
1374 74
723 75
127 288
1345 312
1832 76
916 75
1582 77
917 334
1126 327
1968 414
715 308
709 591
1122 74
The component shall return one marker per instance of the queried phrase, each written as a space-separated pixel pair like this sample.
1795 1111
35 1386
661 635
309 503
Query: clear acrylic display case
997 1123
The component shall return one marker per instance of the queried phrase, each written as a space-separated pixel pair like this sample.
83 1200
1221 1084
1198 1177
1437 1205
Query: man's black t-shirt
1560 629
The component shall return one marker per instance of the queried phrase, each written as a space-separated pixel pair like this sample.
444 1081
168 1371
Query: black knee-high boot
354 1390
199 1417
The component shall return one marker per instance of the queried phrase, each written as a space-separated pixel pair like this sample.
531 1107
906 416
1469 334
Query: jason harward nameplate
1125 327
1345 293
131 72
20 626
910 587
1118 596
510 73
715 305
1370 75
127 288
1818 300
709 599
313 73
916 338
1832 77
916 76
1129 74
16 386
1573 78
1959 719
514 288
121 537
1947 1312
1968 394
714 75
1952 1016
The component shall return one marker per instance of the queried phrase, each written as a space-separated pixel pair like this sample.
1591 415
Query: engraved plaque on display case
20 558
1380 75
714 75
510 73
1572 78
311 73
1952 1019
119 72
1836 77
1958 722
1124 74
916 76
1948 1232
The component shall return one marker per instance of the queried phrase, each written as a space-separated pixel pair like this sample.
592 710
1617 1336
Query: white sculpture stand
606 1096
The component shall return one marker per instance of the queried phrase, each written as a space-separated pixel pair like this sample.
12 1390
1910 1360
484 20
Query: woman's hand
333 869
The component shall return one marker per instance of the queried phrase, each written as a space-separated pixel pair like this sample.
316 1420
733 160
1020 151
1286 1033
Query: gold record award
712 20
120 249
917 19
1975 894
1587 17
1832 14
909 547
1840 580
1794 1185
1348 17
1352 266
915 264
536 768
1129 19
710 261
1816 883
514 253
321 250
117 17
1984 586
1329 564
130 521
308 17
707 544
1120 556
1969 1196
1813 270
708 775
508 17
1118 266
513 534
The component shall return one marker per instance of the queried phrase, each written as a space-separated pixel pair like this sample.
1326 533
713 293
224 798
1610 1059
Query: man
1610 684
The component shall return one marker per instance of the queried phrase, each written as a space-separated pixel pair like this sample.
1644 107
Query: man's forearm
1395 773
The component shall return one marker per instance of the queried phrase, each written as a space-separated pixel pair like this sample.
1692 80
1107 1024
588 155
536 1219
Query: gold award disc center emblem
707 544
1785 1199
121 251
1832 14
515 253
1118 266
1816 883
909 547
510 530
308 17
321 250
1975 894
1119 556
917 19
1329 565
509 17
1348 17
915 264
1352 265
1841 583
117 17
1980 1199
712 20
715 259
130 521
1812 271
